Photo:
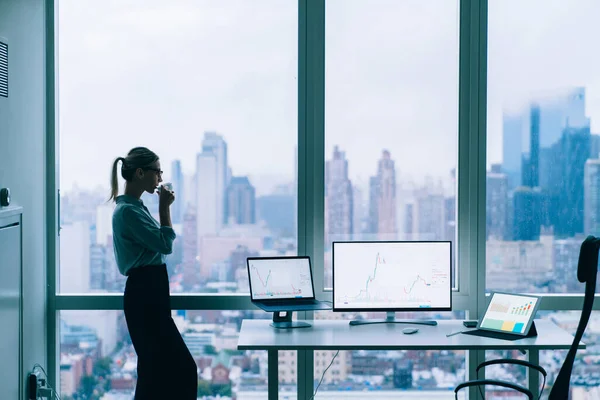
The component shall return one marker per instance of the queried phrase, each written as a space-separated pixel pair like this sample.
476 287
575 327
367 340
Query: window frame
471 177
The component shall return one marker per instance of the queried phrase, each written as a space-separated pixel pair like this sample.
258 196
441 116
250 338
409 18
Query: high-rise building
373 221
430 216
547 118
357 212
512 132
240 201
409 221
215 144
278 212
75 258
496 203
338 198
177 180
566 181
191 270
208 222
591 188
98 267
383 198
237 265
104 214
527 215
531 153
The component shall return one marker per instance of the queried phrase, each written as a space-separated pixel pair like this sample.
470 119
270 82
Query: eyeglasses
158 171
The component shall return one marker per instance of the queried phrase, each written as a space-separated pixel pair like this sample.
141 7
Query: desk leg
304 374
532 375
273 374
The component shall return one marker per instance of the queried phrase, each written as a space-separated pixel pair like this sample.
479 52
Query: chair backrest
587 271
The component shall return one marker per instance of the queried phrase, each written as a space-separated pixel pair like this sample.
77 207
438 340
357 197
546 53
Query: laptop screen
510 313
280 278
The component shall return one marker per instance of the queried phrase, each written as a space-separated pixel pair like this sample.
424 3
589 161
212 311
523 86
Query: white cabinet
11 379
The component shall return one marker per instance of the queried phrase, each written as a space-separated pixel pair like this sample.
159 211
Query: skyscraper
382 197
526 207
338 197
240 201
566 181
178 186
215 144
75 258
373 222
591 188
546 118
104 223
191 270
430 216
409 221
98 267
496 203
512 132
207 211
531 154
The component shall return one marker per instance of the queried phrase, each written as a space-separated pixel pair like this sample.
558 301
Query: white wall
23 162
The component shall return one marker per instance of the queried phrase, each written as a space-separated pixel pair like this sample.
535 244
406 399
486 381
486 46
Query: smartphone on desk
470 324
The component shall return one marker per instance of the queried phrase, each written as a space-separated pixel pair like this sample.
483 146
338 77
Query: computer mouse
410 331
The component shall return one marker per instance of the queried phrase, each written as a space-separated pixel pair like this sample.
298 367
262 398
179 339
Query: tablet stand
503 335
285 322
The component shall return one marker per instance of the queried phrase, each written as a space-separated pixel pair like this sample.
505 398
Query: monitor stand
285 322
391 319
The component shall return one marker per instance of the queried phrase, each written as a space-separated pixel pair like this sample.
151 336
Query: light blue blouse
138 239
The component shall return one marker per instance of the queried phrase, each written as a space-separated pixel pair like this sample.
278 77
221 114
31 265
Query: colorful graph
509 313
525 309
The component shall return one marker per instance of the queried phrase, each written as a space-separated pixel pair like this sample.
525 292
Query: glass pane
585 377
97 358
543 107
391 374
391 123
214 94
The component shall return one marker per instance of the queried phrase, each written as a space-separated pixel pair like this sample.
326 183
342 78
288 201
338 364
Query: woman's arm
142 228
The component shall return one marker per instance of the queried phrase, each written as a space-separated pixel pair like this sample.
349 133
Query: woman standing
166 369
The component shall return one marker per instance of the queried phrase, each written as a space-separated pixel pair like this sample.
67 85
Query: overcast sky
160 73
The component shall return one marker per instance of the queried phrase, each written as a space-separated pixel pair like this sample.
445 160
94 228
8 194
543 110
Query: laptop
283 284
508 316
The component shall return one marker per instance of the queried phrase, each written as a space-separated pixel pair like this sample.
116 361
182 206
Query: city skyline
517 68
213 91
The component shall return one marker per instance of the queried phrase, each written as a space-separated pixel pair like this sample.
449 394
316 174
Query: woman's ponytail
114 181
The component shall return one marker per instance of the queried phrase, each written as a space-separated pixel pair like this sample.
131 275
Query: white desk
339 335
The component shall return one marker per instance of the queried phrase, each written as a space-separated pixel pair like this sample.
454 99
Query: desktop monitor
392 276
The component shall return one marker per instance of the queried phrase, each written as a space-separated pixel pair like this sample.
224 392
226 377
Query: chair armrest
493 382
510 361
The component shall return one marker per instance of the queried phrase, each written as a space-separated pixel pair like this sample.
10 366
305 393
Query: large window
228 93
391 374
391 122
98 361
543 178
210 90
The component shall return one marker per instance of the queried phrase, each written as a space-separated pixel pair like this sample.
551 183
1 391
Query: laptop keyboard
287 302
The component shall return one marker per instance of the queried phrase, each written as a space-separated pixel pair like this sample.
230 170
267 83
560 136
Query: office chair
587 270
